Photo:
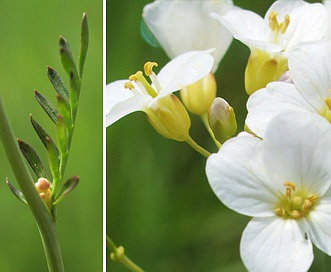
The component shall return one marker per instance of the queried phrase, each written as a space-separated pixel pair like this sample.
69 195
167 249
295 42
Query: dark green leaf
66 188
64 110
47 106
57 83
84 39
53 158
32 158
66 57
16 192
62 135
148 35
40 131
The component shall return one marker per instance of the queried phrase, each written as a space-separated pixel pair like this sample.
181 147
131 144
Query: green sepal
31 156
57 83
16 192
84 39
65 189
148 35
64 110
40 131
53 158
49 108
66 57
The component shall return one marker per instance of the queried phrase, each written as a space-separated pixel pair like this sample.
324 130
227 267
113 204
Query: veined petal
236 175
182 26
121 102
319 221
266 103
297 149
277 245
310 66
184 70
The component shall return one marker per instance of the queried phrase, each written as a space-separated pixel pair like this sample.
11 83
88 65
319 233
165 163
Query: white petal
180 26
184 70
320 223
275 245
236 175
310 66
296 148
121 101
266 103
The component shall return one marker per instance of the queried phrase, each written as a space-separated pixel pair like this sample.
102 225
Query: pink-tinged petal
319 221
237 176
310 66
120 102
180 26
277 245
276 98
296 149
184 70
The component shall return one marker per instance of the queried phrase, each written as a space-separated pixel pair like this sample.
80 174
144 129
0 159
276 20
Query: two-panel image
165 135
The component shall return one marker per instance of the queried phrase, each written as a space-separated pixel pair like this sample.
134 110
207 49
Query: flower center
295 204
144 86
277 29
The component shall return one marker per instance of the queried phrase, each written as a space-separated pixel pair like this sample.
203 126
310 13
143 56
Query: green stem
117 254
197 147
44 220
204 119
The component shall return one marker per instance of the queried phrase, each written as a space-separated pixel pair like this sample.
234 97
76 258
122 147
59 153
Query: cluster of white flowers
278 171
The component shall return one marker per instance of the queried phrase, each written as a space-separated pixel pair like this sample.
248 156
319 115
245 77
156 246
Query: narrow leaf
47 106
74 94
84 40
16 192
40 131
62 136
57 83
53 158
66 57
66 188
64 111
31 156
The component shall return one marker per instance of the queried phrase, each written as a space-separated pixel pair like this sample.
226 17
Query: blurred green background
30 32
159 203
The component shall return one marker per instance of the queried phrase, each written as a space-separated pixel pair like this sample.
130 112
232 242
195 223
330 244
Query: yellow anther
327 101
148 68
128 85
273 23
284 24
296 214
290 185
307 204
312 198
279 211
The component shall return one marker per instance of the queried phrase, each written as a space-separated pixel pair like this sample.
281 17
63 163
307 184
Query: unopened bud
198 97
222 120
169 117
42 186
262 68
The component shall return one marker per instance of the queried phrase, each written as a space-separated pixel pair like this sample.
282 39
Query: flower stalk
40 212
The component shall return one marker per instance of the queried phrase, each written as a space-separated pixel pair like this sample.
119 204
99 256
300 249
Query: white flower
283 182
137 94
310 70
286 24
181 26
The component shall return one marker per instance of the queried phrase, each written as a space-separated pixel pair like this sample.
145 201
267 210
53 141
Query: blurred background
159 203
30 32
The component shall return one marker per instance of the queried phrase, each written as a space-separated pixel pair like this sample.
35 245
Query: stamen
128 85
307 204
143 83
273 23
279 211
327 101
148 68
289 184
296 214
284 24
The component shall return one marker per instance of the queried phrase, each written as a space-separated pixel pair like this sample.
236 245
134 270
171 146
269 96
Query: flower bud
222 120
42 186
169 117
262 68
198 97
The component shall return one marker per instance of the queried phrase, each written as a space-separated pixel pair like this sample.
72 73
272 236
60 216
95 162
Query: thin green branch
197 147
43 218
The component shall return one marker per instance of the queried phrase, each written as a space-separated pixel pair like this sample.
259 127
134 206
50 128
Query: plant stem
117 254
197 147
204 119
43 218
